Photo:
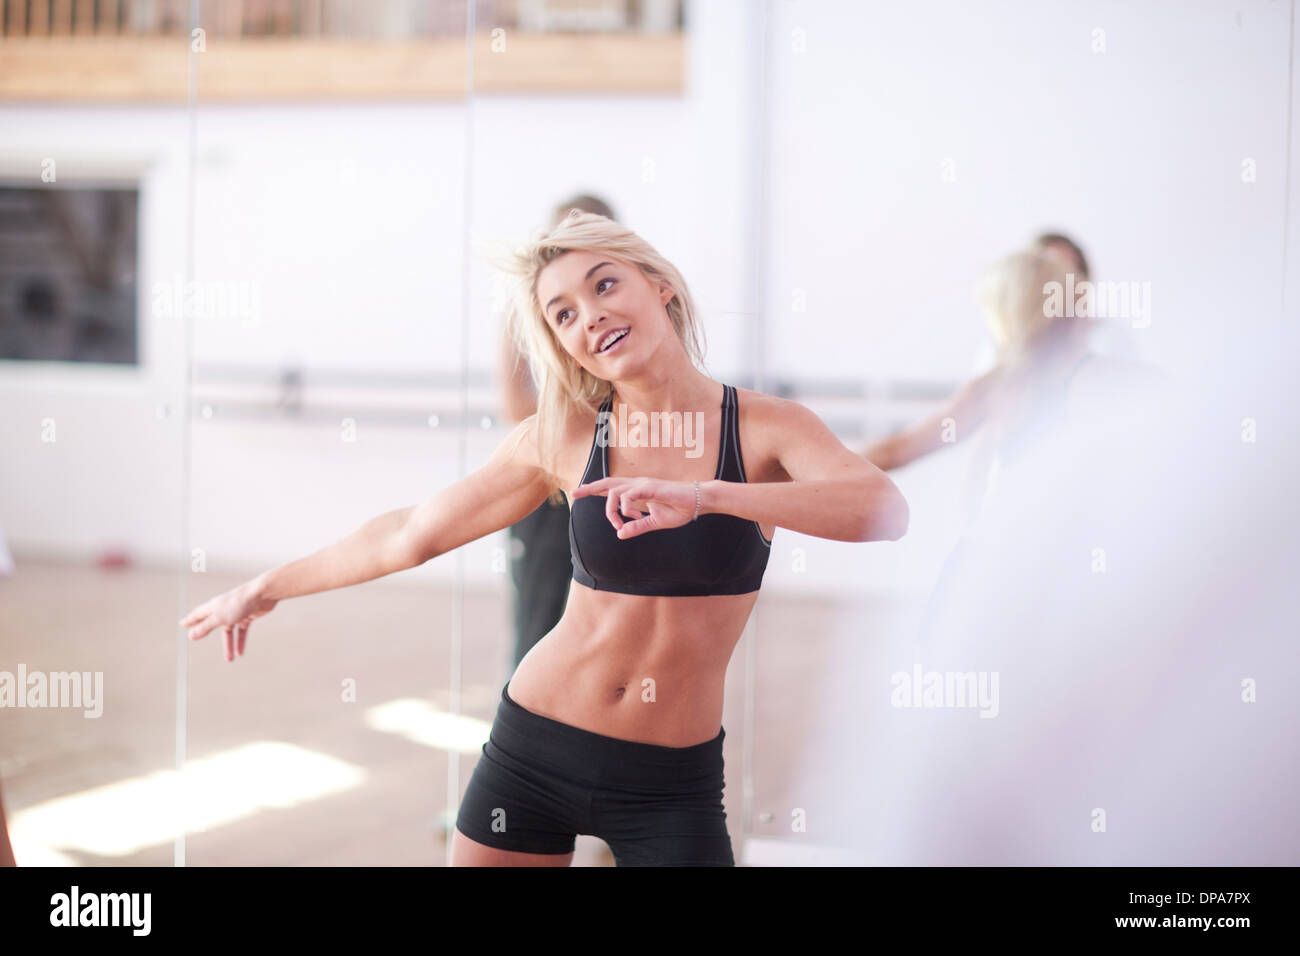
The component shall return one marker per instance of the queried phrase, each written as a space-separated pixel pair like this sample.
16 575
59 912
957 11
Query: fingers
234 636
611 511
630 505
592 488
652 520
194 616
633 528
632 501
200 628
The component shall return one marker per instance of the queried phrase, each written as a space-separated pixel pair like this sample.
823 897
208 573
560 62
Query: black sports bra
714 554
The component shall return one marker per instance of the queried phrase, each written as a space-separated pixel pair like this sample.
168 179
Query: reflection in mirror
330 398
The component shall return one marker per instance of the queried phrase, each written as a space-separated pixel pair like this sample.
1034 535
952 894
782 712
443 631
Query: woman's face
586 296
1066 257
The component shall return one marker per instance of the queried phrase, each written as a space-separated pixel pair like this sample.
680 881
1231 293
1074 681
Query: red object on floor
113 558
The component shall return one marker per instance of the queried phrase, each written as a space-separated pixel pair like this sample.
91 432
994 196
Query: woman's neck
667 395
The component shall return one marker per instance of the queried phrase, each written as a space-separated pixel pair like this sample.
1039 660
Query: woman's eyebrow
584 279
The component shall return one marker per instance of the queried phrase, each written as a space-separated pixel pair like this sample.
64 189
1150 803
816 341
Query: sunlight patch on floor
122 818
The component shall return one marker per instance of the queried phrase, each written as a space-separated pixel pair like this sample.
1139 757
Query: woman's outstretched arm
505 489
958 418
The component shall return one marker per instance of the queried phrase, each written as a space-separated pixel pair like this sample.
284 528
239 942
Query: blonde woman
1047 380
1045 367
611 724
539 544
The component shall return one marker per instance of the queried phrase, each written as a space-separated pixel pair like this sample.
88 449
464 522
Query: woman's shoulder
579 418
576 418
768 419
760 408
767 424
555 451
577 431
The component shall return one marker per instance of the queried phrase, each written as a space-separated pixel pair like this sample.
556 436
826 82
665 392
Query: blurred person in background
1047 378
1046 370
1105 337
1108 337
539 544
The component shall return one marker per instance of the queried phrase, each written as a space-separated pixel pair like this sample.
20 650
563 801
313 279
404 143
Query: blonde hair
563 385
1014 293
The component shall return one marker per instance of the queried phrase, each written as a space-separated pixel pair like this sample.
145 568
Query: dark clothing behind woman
541 569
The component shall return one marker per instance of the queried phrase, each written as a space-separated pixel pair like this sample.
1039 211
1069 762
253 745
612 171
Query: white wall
1136 151
349 220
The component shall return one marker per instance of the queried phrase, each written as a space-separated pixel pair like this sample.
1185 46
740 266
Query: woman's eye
559 316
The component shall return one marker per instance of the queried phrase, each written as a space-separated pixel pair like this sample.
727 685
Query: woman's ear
666 293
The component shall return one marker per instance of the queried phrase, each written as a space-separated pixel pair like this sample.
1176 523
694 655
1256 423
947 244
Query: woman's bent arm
862 508
833 493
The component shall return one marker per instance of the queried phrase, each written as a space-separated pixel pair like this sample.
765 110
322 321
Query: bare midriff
635 667
631 666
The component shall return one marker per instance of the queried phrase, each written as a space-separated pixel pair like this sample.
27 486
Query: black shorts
540 783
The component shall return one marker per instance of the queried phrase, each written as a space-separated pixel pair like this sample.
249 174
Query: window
68 275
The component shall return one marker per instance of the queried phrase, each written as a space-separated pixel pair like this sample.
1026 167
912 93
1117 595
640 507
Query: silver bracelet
697 501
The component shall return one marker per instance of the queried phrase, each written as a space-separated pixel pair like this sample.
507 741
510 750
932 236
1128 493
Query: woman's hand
671 504
233 611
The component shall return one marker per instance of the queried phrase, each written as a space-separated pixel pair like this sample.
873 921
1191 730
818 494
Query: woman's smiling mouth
613 340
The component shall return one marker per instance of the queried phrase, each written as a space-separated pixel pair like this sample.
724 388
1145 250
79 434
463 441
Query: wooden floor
340 776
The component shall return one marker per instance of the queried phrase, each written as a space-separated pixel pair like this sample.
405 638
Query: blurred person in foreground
1105 679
